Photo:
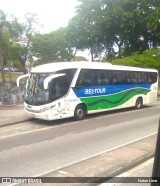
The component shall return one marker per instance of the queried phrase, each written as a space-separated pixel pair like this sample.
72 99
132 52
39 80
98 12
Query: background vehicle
74 89
6 69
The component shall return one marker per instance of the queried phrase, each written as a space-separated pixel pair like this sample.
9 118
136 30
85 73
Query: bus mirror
21 77
49 78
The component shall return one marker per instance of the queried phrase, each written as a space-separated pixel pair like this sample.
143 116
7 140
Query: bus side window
69 74
151 77
86 78
102 78
118 78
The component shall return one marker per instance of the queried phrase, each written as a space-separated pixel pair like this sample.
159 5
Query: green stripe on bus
114 100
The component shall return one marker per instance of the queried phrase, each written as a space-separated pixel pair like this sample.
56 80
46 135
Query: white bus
74 89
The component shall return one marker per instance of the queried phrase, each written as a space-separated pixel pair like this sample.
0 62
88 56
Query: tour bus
74 89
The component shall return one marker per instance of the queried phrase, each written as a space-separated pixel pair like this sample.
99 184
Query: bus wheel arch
80 111
139 103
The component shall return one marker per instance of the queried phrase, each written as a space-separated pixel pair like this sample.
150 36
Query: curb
106 166
10 105
16 122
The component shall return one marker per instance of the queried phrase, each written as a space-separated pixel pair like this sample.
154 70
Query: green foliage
148 59
13 76
131 26
79 58
21 46
6 36
15 40
16 63
53 47
83 28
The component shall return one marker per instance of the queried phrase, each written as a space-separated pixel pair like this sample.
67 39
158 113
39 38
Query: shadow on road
88 117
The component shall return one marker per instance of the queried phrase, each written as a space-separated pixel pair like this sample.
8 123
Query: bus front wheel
80 112
139 103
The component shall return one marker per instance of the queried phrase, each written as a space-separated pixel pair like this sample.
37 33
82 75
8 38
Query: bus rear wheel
139 103
80 112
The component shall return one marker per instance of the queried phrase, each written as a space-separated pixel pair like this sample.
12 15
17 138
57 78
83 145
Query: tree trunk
22 61
119 50
91 51
2 68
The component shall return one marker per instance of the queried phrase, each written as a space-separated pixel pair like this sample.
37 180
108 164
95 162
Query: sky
52 14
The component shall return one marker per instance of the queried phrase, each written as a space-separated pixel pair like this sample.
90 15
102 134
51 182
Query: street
36 148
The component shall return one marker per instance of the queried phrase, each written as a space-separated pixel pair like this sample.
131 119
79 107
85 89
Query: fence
10 93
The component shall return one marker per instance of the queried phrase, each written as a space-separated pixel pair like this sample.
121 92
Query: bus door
58 89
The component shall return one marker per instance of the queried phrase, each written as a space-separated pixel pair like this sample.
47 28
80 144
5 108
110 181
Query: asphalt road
38 147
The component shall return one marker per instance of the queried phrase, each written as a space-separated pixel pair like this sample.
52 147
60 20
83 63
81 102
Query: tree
7 34
21 45
132 25
83 30
54 47
3 44
79 58
102 25
148 59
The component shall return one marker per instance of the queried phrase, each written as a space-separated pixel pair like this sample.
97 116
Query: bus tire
139 103
80 112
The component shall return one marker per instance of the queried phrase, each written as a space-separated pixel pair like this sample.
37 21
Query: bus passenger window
86 78
102 78
152 77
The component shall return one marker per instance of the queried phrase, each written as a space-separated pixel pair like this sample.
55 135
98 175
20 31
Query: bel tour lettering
95 91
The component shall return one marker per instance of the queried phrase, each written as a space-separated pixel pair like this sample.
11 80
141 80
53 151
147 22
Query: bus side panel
152 95
72 101
117 97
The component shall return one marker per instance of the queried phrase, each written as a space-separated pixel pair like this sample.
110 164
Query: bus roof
51 67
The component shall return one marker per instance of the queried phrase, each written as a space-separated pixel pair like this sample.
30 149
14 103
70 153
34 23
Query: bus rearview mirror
21 77
49 78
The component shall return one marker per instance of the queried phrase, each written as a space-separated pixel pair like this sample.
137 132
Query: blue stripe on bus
105 90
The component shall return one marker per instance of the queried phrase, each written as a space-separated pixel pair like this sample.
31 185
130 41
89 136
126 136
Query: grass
14 76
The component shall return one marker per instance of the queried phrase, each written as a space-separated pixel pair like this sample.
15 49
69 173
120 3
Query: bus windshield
35 93
58 87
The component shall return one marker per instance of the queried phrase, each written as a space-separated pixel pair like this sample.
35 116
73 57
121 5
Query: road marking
63 172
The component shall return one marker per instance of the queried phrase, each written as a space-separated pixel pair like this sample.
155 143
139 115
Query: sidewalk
12 114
